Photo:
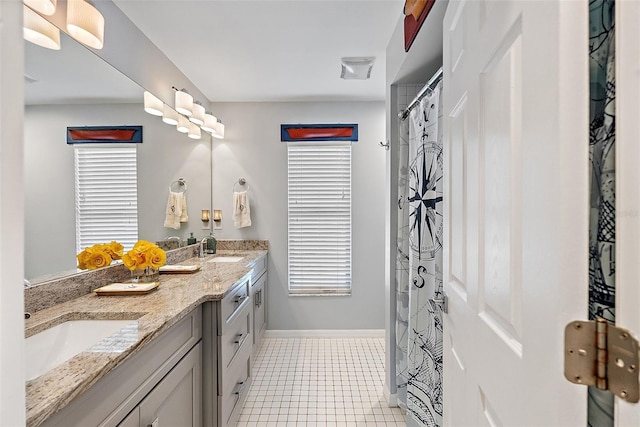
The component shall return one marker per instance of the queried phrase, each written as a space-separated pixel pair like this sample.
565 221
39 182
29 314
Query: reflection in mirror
75 87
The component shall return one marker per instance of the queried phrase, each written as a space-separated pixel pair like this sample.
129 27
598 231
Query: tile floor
319 382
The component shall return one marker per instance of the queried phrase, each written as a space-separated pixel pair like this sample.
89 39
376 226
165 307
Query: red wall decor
104 134
319 132
415 12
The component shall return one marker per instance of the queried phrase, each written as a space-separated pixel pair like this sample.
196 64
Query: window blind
106 196
319 219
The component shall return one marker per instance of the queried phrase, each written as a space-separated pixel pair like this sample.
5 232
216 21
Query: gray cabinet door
132 420
177 400
259 318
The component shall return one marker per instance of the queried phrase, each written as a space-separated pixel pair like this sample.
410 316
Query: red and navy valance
104 135
319 132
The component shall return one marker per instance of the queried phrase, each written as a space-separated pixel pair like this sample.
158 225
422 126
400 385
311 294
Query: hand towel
241 210
173 212
182 203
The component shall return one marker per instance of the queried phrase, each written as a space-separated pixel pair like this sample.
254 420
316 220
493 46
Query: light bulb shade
169 115
152 105
85 23
183 124
45 7
218 131
217 215
198 114
38 30
194 131
184 102
206 215
209 122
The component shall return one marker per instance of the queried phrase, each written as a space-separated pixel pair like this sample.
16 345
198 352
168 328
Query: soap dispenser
191 240
211 244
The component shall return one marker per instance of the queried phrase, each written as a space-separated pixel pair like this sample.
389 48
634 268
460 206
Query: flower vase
146 275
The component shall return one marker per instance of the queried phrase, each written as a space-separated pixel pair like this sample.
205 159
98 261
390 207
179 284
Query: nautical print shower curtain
602 158
424 385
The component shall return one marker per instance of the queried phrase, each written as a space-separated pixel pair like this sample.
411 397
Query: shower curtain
419 263
602 157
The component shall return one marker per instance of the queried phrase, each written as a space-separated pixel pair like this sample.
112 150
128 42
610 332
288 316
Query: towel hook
386 146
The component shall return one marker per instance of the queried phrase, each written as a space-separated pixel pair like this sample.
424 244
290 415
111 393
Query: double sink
57 344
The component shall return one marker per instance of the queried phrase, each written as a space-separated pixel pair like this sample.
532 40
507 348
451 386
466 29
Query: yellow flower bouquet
99 255
144 260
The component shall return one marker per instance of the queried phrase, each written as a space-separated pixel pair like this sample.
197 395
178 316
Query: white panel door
627 183
516 212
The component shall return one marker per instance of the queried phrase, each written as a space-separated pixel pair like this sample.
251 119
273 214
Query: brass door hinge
602 355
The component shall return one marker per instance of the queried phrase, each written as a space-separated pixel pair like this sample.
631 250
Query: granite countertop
177 296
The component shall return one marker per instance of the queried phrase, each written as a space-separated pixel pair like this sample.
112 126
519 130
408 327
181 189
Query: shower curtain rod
433 80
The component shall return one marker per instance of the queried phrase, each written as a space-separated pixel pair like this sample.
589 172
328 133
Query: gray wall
164 156
252 149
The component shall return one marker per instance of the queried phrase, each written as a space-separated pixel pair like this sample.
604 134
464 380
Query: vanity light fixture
183 102
209 122
152 105
45 7
85 23
194 131
218 130
183 124
206 215
169 115
217 219
198 113
38 30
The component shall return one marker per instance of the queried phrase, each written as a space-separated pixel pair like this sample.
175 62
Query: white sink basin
226 259
53 346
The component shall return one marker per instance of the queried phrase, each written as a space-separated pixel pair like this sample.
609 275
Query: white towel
182 203
241 210
173 212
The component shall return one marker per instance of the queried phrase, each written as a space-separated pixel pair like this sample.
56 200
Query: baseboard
324 333
392 399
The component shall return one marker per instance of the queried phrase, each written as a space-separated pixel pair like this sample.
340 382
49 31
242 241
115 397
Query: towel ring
240 181
182 186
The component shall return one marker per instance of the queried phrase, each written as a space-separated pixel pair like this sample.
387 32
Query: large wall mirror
75 87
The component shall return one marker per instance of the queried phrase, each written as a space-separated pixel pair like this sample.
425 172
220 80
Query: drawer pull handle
258 297
241 299
240 340
240 388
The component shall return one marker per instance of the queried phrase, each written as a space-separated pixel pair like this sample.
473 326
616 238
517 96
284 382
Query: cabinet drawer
259 267
228 376
232 304
238 331
237 383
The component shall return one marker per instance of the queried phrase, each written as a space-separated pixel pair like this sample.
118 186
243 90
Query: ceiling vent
357 67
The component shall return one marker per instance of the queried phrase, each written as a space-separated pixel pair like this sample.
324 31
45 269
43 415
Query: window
319 219
106 196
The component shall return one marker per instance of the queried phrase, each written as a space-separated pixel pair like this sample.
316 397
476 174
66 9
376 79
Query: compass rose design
425 201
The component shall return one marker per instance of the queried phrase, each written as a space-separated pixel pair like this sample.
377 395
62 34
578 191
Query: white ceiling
270 50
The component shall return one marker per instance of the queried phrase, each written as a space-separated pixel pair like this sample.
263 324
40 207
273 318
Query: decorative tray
123 289
180 268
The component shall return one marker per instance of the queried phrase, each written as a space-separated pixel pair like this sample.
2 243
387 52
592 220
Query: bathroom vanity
185 358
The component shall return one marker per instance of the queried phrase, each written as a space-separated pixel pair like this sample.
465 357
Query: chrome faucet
202 242
175 238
